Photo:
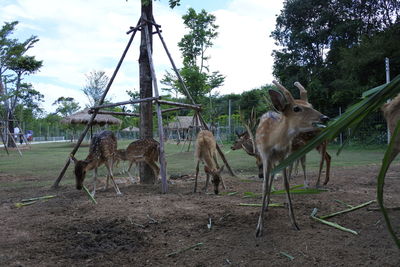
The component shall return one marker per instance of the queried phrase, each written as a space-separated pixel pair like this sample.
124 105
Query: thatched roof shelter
131 129
83 117
183 122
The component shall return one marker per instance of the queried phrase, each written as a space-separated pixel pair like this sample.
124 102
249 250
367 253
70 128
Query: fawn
206 151
143 150
101 151
274 138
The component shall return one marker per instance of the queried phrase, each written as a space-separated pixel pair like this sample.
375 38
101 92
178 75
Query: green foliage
195 72
66 106
336 49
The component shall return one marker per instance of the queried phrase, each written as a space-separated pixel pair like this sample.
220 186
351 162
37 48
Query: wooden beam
195 107
147 99
116 113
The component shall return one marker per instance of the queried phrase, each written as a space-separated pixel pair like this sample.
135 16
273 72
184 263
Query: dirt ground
143 227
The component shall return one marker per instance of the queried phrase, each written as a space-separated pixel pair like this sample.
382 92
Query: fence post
387 68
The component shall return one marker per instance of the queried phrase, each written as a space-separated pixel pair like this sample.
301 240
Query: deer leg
129 169
197 174
269 191
322 150
291 213
154 167
303 166
266 173
207 180
110 175
328 167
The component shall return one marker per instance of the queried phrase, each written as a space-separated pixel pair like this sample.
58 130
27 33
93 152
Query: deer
206 151
274 137
391 113
101 151
245 141
142 150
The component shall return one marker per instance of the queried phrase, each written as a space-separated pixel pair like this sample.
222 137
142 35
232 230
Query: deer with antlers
206 151
245 142
142 150
101 151
274 138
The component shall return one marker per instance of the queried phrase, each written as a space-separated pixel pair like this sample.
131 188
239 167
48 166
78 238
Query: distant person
16 132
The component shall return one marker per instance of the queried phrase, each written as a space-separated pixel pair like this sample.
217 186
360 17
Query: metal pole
387 69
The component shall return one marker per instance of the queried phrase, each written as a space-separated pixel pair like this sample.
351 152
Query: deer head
79 171
298 114
242 139
215 176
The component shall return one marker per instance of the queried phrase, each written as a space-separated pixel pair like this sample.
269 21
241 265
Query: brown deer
206 151
143 150
101 151
245 142
274 138
391 112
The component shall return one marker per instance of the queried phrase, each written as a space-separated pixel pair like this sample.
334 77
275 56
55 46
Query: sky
77 37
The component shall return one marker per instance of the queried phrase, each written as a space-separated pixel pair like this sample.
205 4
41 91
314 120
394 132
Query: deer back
142 149
205 148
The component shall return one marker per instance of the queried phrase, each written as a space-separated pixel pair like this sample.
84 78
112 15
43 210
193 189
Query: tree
14 66
96 84
193 46
66 106
314 34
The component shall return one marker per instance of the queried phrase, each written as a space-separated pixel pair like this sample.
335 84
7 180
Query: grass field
45 161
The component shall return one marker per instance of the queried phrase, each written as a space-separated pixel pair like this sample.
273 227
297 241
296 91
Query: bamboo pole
116 113
163 172
347 210
182 105
147 99
83 134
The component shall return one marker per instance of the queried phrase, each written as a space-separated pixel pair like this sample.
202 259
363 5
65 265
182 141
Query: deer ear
278 99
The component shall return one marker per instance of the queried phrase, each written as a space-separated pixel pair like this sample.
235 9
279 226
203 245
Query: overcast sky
78 36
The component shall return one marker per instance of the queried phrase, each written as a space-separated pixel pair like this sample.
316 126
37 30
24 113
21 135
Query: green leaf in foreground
381 182
90 195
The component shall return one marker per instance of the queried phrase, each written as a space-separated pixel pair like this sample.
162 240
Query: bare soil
143 227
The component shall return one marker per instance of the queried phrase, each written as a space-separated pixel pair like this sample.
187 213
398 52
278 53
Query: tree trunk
146 90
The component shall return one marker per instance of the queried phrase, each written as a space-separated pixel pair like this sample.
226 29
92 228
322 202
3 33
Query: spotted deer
391 112
274 138
206 151
142 150
101 151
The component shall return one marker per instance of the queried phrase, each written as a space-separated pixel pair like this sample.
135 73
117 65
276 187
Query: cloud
77 37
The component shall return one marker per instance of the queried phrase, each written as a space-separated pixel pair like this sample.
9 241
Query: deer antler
285 91
303 91
251 123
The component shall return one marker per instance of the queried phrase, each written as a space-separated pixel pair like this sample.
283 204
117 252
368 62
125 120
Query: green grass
45 161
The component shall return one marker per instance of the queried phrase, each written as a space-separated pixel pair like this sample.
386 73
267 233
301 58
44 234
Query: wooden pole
83 134
163 172
182 105
147 99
